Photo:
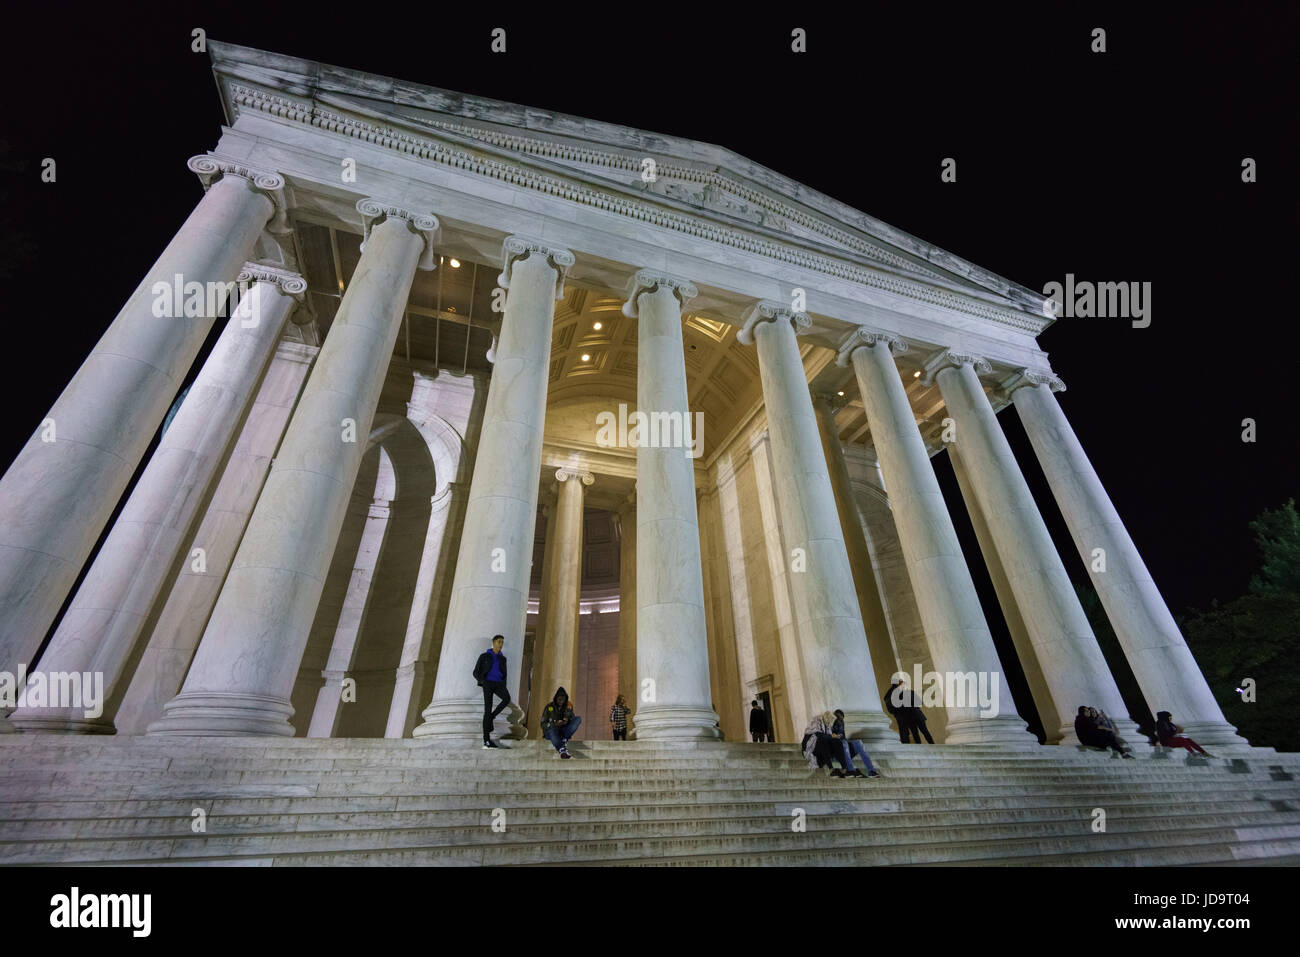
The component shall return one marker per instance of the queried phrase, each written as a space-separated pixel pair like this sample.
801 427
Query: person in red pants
1167 734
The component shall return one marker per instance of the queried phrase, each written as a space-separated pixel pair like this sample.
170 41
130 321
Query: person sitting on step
819 747
1167 733
851 748
1093 734
559 722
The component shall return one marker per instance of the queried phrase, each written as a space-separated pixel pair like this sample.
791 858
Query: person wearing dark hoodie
490 673
1167 733
1090 734
559 722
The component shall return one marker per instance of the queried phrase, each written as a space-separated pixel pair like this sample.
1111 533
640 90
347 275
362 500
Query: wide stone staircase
295 801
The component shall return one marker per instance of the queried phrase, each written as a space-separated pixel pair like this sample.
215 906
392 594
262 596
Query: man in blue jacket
490 673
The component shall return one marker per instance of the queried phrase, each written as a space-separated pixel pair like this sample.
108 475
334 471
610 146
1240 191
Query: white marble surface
1161 661
1073 669
57 496
956 632
246 665
501 513
102 628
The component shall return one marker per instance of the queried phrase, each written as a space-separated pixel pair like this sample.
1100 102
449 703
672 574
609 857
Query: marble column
61 490
672 651
102 629
837 667
490 588
352 616
537 666
955 630
1067 652
559 605
855 542
244 671
1155 649
627 685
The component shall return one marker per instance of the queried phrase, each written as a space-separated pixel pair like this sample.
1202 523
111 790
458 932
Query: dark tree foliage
1257 636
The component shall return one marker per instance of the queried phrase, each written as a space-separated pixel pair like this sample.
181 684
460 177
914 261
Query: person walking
1169 736
618 717
559 723
490 673
757 722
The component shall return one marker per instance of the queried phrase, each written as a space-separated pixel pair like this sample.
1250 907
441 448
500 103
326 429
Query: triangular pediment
687 176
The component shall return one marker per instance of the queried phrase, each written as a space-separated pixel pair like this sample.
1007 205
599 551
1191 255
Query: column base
1003 730
59 721
1214 734
656 722
864 726
462 719
224 714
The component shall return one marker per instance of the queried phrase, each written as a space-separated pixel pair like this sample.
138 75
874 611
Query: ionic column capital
562 475
1032 377
948 359
768 311
649 280
210 169
373 212
517 247
286 282
864 337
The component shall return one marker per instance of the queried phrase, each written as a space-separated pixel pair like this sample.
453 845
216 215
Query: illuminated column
672 649
490 588
1071 663
60 491
955 630
105 623
837 668
246 664
1160 659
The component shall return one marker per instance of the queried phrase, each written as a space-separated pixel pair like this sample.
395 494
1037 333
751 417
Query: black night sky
1122 166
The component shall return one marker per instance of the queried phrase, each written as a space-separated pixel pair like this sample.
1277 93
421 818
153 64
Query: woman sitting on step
819 746
1167 733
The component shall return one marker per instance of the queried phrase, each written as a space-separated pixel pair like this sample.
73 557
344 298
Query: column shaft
956 632
1160 659
62 488
102 629
493 569
837 667
1072 665
672 644
627 684
559 605
872 608
244 671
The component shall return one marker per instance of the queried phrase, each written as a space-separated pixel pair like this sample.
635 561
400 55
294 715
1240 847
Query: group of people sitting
824 742
1094 729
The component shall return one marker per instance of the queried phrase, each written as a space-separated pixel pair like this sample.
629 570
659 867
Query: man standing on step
905 706
757 722
490 673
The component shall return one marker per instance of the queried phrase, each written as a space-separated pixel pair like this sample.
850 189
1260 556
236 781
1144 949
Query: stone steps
302 801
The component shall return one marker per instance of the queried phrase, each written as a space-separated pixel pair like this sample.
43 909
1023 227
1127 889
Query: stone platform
296 801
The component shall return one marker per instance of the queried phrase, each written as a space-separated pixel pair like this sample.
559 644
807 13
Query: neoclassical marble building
400 446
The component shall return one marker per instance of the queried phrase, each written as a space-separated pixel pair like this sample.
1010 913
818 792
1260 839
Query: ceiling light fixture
596 326
585 357
455 264
916 374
